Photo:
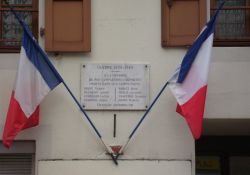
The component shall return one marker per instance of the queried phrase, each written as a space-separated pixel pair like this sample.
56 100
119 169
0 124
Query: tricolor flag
36 77
189 83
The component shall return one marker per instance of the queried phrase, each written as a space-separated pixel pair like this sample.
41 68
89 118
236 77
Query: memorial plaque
115 86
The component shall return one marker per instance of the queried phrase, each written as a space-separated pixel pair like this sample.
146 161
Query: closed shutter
182 21
67 26
16 164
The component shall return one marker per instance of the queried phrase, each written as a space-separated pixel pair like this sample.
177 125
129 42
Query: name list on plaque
115 86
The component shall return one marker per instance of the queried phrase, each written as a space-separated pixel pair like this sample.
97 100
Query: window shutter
67 25
182 21
16 164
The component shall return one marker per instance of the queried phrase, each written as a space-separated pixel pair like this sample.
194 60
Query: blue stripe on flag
39 59
194 49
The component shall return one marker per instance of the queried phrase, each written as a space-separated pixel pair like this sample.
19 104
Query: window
16 164
19 159
208 165
182 21
223 155
10 30
67 32
233 23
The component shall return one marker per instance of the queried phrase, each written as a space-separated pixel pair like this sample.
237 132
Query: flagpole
66 86
143 117
89 120
148 110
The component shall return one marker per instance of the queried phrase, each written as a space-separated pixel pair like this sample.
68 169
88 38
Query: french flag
189 83
36 77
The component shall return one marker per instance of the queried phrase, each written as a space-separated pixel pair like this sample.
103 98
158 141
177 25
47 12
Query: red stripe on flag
193 111
17 121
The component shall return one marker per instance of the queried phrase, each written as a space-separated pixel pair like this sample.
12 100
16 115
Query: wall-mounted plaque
115 86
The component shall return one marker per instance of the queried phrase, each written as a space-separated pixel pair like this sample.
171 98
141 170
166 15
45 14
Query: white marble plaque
115 86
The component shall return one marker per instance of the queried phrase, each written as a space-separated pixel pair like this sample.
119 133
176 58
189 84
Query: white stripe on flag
197 75
30 88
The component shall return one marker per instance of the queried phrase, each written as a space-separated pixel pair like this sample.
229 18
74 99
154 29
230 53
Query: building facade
128 32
